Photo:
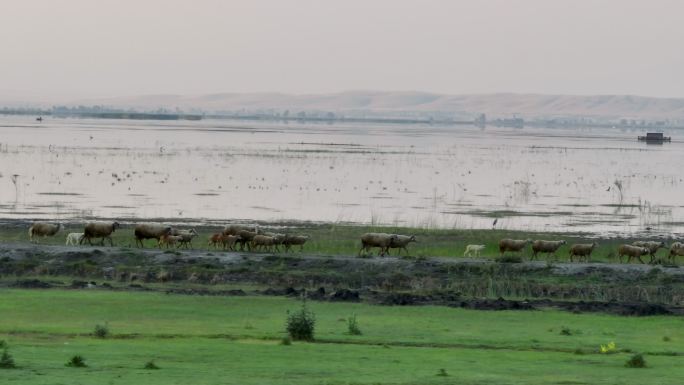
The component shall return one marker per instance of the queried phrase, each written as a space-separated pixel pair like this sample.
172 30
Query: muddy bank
612 288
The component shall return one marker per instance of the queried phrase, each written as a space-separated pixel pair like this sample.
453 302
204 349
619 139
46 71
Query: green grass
335 239
236 340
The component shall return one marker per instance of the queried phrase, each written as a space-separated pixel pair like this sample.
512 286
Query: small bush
287 341
442 373
353 326
3 344
565 331
666 339
300 324
509 259
150 365
608 349
637 361
6 360
579 351
76 362
101 331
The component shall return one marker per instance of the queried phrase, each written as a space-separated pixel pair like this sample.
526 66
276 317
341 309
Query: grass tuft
150 365
637 361
76 362
6 360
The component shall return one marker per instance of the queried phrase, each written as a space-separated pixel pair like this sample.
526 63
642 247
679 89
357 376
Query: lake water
594 180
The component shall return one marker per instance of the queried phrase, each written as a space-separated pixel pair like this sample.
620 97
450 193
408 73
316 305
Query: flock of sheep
253 239
583 250
167 236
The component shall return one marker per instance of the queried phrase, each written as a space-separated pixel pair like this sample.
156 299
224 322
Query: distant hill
494 105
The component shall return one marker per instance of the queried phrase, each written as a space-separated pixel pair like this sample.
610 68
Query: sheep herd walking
251 238
583 251
165 236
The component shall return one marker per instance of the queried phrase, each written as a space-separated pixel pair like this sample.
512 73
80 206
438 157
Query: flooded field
594 180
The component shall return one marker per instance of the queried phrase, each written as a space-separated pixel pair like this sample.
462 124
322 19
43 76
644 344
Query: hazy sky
101 48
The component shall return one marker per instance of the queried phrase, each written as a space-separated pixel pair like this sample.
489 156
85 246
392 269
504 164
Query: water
594 180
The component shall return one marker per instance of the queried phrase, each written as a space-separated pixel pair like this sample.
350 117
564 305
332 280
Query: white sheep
73 239
470 249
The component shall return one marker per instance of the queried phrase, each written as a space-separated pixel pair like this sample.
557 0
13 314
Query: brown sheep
632 252
582 250
514 245
652 247
215 240
293 240
228 241
170 240
400 242
102 230
263 241
677 248
380 240
44 229
548 247
235 229
245 238
150 231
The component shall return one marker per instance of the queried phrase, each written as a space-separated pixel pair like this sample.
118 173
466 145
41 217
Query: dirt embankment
469 283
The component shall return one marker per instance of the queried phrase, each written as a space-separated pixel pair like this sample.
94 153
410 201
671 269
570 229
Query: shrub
300 324
442 373
3 344
565 331
666 339
353 326
578 351
637 361
287 341
76 362
150 365
6 360
101 331
608 349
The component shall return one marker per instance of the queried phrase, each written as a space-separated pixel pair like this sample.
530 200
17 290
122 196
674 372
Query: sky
69 49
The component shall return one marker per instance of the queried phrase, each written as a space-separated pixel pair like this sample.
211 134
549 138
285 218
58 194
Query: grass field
334 239
235 340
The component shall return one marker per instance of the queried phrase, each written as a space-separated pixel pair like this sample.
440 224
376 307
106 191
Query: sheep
278 239
632 252
381 240
102 230
44 229
73 239
652 247
263 241
582 250
235 229
676 248
215 239
548 247
514 245
245 238
228 241
292 240
187 236
400 242
473 248
170 240
150 231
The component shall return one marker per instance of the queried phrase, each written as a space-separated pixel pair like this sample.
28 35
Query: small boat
657 137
